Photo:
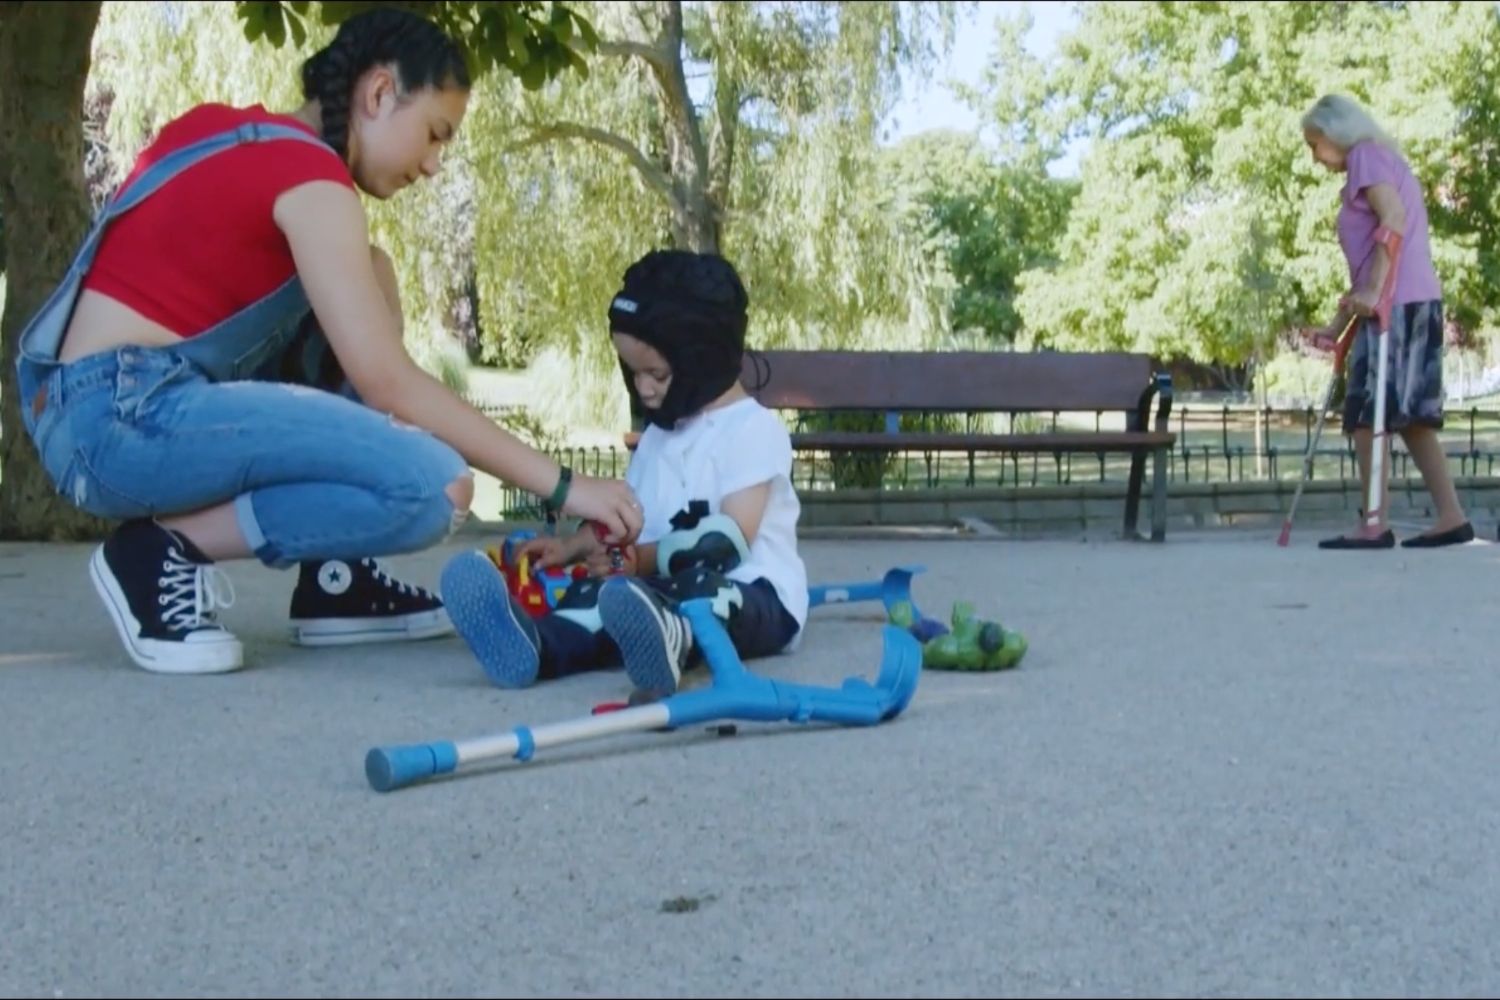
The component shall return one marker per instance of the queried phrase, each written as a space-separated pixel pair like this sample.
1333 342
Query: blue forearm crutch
735 693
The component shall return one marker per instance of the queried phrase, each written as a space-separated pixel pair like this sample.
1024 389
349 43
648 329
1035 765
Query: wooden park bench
893 383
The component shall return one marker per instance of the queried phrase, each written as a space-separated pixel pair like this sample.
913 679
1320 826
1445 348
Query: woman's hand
582 548
1322 339
546 551
1362 302
611 502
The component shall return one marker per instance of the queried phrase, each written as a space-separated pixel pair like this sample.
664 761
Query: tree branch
674 80
650 53
655 176
724 139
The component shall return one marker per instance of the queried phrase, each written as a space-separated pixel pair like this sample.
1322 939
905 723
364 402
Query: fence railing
1222 444
1214 444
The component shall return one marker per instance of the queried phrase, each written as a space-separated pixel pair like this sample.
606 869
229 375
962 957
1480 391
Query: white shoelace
391 583
679 638
192 594
676 633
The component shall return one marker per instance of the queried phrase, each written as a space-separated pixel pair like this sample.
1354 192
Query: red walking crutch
1375 498
1340 349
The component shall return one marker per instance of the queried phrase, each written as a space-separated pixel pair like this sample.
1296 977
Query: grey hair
1344 123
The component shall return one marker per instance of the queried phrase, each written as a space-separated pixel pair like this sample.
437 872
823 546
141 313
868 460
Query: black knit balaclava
692 308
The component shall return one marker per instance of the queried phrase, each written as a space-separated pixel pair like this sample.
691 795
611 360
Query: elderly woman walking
1381 198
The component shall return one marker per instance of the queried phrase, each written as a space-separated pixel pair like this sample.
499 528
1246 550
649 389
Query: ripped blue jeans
137 432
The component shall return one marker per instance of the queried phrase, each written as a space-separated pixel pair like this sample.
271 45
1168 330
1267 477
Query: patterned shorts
1414 370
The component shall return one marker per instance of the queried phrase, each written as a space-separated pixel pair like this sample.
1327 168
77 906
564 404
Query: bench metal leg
1159 495
1133 493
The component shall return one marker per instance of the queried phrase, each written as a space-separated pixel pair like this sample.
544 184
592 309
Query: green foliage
1202 228
537 42
447 364
153 61
1292 379
984 221
827 265
524 424
272 21
578 387
1470 180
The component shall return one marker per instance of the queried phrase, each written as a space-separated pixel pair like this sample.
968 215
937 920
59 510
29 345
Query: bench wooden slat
921 441
948 381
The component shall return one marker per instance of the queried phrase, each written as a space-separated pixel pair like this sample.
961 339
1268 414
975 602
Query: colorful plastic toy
973 644
538 591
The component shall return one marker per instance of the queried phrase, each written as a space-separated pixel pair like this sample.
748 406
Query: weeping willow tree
750 129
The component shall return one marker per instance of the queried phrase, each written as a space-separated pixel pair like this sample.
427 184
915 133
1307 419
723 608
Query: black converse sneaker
340 603
655 640
163 594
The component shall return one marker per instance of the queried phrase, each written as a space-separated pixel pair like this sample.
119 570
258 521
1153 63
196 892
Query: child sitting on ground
713 470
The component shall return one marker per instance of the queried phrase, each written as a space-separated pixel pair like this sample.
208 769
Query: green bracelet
560 493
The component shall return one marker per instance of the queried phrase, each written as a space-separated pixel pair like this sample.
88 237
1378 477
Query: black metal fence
1221 444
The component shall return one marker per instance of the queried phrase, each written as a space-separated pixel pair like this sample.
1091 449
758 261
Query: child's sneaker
163 594
655 640
340 603
496 628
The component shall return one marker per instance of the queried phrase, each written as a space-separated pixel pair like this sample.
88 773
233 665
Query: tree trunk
1262 421
684 181
45 52
697 224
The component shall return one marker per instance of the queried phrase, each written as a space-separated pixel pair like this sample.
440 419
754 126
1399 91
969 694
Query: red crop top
205 245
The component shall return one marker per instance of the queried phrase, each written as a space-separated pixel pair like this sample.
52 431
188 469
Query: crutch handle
1391 240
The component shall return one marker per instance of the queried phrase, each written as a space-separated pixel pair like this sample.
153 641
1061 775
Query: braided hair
424 56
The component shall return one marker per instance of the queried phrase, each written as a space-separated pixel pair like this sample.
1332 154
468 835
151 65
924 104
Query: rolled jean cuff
255 538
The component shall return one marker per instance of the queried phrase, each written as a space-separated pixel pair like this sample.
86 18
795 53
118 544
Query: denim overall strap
247 344
42 336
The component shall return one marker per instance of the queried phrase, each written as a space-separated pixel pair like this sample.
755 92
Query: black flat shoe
1453 536
1385 540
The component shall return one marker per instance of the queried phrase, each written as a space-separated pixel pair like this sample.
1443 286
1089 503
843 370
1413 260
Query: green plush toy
972 644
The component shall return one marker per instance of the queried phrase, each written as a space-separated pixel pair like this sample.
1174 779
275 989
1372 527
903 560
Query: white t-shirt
712 455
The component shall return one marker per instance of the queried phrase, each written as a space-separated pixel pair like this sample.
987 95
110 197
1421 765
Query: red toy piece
540 590
520 581
615 552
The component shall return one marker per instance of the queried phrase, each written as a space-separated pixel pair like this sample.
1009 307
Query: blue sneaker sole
484 616
633 622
